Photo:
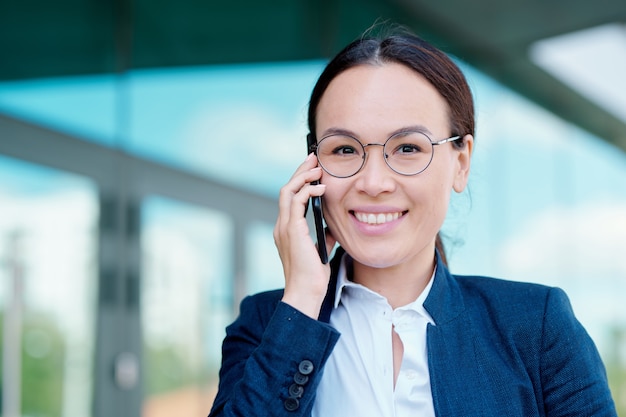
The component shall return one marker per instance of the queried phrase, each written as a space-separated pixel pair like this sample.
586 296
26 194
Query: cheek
332 201
331 197
432 195
441 173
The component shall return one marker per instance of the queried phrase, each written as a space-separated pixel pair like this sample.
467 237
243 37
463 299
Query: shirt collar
343 282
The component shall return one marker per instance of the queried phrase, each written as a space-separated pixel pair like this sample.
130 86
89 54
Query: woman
385 329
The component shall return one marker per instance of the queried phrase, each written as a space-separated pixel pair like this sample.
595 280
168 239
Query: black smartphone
316 205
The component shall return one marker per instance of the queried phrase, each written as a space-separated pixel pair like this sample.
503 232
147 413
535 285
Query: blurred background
143 144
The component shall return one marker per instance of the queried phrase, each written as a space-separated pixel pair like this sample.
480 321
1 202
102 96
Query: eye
340 147
409 144
407 148
344 150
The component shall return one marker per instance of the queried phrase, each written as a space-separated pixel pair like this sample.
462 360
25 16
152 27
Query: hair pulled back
415 53
420 56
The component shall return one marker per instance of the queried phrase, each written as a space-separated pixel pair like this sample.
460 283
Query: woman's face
372 102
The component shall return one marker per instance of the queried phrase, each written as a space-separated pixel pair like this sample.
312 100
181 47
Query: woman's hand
306 278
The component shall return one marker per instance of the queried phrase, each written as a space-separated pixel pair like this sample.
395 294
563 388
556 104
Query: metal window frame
123 182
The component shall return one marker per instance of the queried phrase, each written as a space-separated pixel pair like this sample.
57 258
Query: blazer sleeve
573 378
271 368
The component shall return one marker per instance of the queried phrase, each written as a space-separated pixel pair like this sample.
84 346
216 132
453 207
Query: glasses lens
340 156
409 153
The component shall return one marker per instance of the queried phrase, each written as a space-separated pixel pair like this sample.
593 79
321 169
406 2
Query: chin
374 257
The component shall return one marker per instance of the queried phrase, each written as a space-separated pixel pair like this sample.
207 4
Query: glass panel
83 106
241 124
216 120
263 268
47 290
547 203
186 303
546 200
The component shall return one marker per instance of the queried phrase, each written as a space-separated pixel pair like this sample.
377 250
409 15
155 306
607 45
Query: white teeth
380 218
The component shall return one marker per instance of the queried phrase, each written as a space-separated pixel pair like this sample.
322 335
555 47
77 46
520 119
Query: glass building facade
137 210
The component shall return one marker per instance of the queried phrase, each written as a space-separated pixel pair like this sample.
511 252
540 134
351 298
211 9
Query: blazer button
305 367
296 391
292 404
300 379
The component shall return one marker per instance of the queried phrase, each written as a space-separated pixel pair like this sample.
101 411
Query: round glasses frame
315 146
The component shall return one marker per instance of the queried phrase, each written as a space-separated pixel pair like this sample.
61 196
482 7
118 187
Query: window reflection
47 290
546 203
263 270
186 304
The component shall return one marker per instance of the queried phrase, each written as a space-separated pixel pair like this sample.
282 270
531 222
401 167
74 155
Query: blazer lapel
457 383
329 300
465 365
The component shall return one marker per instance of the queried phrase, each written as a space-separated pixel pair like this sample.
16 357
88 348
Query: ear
463 164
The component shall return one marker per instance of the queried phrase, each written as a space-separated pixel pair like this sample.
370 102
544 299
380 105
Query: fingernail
309 156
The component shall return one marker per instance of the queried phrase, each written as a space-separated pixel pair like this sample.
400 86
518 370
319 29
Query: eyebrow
346 132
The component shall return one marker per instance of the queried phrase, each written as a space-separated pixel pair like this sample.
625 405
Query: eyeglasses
407 153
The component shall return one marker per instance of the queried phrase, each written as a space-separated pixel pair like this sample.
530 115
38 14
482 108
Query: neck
400 284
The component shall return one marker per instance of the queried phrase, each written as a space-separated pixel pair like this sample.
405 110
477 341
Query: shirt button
305 367
292 404
410 374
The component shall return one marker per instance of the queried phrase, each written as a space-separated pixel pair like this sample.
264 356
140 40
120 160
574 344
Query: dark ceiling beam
513 23
530 81
75 37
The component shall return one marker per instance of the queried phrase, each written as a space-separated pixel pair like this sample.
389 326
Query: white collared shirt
358 376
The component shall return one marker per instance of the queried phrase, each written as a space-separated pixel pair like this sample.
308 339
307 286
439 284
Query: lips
377 218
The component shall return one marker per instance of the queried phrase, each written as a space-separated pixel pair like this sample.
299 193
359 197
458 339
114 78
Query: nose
375 177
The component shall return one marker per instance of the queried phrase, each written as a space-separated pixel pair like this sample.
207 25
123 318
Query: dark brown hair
415 53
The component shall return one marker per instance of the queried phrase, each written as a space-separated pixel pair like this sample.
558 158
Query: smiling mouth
378 218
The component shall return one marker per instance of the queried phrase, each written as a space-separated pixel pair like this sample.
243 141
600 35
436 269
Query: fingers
291 226
301 199
294 195
306 278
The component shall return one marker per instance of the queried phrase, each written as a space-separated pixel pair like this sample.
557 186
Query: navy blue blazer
498 348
